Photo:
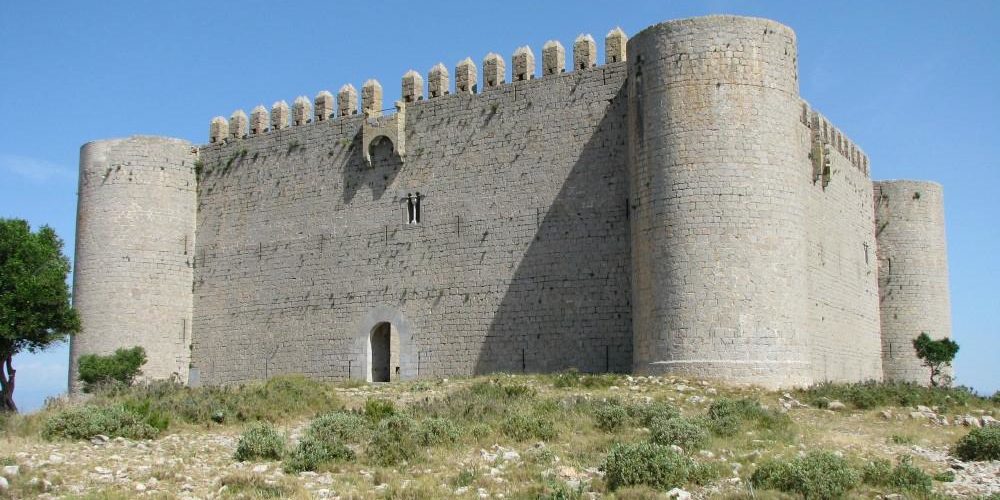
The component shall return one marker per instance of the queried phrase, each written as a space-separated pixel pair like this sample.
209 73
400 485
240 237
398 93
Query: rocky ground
198 463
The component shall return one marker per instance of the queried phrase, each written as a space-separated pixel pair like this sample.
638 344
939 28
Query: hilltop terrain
502 436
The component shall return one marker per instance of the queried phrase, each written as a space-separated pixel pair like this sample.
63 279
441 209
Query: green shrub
573 378
394 441
339 426
249 485
979 444
868 395
945 476
904 476
687 433
521 427
501 390
646 413
260 441
819 474
121 367
610 417
436 431
378 409
480 430
727 416
312 453
704 473
88 421
645 464
276 399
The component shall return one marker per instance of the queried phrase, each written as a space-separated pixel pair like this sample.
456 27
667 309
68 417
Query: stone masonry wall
134 252
843 314
520 260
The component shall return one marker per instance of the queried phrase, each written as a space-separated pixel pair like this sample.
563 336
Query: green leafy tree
122 366
35 311
936 354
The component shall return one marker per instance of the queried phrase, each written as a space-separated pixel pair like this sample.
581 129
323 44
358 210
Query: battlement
438 84
827 136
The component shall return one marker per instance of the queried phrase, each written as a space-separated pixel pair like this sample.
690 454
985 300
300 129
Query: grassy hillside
528 436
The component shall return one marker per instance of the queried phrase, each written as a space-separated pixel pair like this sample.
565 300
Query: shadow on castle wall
568 302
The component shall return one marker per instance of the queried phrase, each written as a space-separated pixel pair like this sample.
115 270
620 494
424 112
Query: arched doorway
385 365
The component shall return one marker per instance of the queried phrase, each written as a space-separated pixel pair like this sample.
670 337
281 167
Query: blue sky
915 84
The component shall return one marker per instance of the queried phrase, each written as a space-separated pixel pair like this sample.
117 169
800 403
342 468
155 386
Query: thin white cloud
35 170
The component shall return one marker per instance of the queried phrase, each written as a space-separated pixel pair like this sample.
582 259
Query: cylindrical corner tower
717 193
135 233
912 273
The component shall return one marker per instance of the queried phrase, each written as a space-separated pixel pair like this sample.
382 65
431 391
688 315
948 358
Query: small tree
936 354
34 299
122 366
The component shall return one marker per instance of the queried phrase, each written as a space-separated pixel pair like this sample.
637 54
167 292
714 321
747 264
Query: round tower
717 198
912 273
135 233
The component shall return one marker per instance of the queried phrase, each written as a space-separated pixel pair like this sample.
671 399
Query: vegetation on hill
542 436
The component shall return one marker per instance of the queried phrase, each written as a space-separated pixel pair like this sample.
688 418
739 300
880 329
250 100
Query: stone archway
385 344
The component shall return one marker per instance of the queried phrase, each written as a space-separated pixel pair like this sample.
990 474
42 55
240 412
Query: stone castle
677 209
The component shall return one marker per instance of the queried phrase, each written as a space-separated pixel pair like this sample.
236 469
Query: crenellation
584 52
553 58
301 112
494 71
413 87
631 219
465 76
437 81
523 64
218 130
371 99
238 124
279 115
323 106
347 100
258 120
614 46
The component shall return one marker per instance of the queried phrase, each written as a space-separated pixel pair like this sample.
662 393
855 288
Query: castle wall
718 198
913 273
134 252
843 314
520 260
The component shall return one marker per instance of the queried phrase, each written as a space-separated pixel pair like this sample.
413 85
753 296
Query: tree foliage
122 366
35 311
936 354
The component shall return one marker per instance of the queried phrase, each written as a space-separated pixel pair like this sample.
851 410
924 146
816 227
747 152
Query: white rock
706 453
140 487
461 490
260 468
56 458
4 485
676 448
102 470
11 471
970 421
989 421
678 494
836 406
511 455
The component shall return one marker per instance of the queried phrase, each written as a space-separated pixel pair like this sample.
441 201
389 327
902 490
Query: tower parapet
218 131
258 120
301 111
238 124
523 64
323 106
413 87
717 201
437 81
912 273
371 98
614 45
465 76
584 52
553 58
494 71
279 115
347 100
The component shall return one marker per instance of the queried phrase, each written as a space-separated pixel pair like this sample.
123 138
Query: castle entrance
385 353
